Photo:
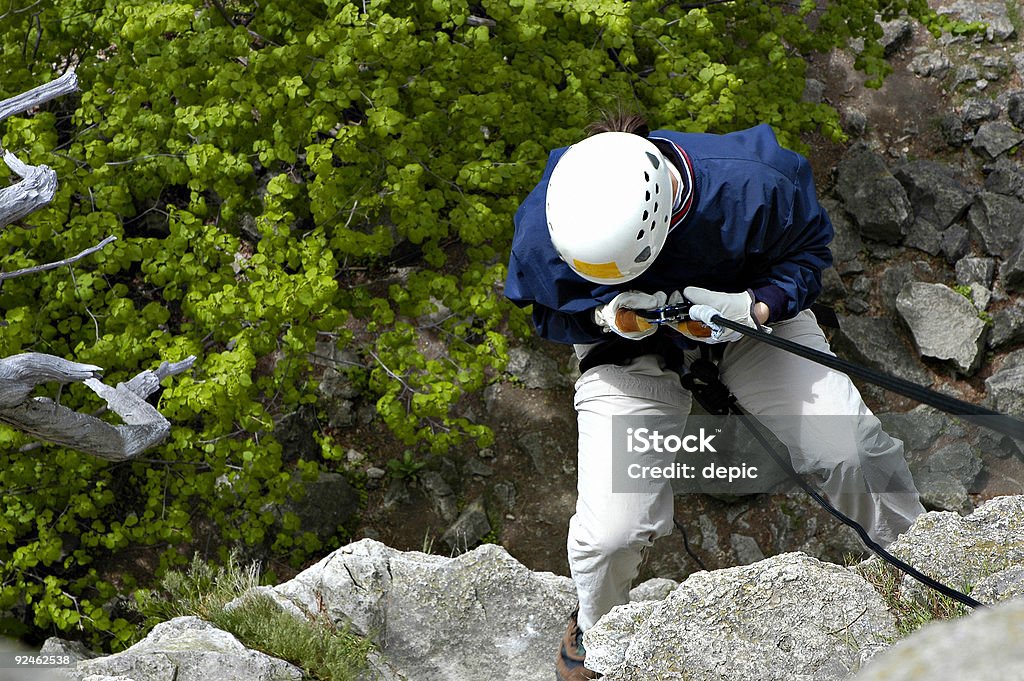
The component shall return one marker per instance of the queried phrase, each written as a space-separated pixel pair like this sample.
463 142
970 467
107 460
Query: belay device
703 382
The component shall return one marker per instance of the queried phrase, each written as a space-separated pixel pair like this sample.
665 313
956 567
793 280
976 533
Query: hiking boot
571 654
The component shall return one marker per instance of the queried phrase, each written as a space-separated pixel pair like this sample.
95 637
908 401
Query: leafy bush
282 173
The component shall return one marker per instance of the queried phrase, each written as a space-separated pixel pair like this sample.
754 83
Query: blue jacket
754 223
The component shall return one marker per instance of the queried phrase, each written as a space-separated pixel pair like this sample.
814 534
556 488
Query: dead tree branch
47 420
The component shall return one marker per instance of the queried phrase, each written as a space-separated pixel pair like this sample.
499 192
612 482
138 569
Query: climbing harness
703 381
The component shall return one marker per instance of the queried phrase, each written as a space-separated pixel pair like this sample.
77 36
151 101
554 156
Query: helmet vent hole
653 159
644 255
646 214
640 235
653 224
657 188
655 206
647 178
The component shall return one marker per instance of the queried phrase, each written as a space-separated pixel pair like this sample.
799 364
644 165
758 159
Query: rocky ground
484 615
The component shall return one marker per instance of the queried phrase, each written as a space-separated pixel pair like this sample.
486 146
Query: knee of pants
607 539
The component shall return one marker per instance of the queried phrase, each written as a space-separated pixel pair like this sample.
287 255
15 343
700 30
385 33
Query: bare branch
36 189
60 263
58 87
43 418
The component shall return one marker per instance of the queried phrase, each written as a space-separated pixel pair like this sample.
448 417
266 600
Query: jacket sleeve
576 326
795 249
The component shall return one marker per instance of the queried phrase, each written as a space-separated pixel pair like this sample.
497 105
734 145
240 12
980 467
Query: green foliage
316 644
407 467
282 173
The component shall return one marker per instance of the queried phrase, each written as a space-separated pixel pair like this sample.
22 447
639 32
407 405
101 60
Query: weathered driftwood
43 418
39 183
143 426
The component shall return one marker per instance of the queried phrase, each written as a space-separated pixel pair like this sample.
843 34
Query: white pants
609 530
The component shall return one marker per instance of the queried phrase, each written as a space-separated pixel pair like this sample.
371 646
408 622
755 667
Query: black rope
686 545
850 522
709 384
988 418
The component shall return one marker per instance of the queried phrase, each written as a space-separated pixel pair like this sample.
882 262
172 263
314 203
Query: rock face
962 551
186 649
983 647
944 323
433 617
483 615
787 618
875 199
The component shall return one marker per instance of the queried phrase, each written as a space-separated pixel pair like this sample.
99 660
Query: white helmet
609 203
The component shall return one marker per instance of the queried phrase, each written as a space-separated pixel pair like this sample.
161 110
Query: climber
632 219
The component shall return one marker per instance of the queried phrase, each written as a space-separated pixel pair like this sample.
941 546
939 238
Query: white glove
738 307
604 315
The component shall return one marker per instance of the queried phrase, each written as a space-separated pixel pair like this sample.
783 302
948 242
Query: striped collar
683 199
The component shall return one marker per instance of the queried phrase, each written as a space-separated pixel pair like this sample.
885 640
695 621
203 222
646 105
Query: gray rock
918 428
924 236
1007 326
984 646
188 649
945 477
654 589
975 271
746 549
931 65
876 200
1002 586
956 242
980 296
846 245
73 650
1012 272
995 221
441 495
469 528
977 111
895 35
506 495
874 342
995 139
854 122
1015 108
1004 389
1005 177
540 446
935 192
535 369
959 550
756 622
832 288
945 325
433 616
894 278
814 91
993 13
475 466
